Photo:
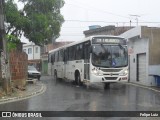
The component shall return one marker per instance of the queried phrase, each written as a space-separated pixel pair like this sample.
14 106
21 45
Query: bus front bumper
111 78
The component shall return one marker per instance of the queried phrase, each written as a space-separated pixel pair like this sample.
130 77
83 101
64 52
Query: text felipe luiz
149 114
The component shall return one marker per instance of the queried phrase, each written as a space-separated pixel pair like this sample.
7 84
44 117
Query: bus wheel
106 85
78 79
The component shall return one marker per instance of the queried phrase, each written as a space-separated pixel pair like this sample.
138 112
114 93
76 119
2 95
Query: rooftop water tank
94 27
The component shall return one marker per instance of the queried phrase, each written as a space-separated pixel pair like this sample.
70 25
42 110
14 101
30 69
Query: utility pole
1 25
130 23
4 56
136 18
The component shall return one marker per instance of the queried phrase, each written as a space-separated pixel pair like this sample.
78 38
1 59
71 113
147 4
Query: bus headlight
124 73
96 72
100 74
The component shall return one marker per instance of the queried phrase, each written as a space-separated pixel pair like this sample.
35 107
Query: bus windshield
109 55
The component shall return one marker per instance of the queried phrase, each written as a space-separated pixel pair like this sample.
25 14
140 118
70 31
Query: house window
24 50
29 50
36 50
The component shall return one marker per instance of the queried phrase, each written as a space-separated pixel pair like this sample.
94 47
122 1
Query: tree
14 24
45 20
40 20
15 21
12 42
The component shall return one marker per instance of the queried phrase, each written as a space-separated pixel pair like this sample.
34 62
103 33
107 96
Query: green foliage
14 19
45 20
14 24
40 20
12 42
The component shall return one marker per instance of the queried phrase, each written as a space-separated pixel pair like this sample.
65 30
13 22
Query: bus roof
83 40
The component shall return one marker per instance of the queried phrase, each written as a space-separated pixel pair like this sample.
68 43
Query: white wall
33 55
154 70
132 32
138 45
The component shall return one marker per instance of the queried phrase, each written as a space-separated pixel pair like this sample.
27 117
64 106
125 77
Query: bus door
60 65
87 60
65 62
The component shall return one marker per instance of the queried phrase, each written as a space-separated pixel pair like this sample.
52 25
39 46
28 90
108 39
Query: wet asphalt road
65 96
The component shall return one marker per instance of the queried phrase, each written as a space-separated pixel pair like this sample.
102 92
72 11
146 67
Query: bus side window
56 56
49 59
52 58
61 55
76 55
79 51
66 55
71 53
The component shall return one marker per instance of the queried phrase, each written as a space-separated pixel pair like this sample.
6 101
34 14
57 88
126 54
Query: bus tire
78 79
106 85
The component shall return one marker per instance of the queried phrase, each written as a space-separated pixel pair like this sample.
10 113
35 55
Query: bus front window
109 56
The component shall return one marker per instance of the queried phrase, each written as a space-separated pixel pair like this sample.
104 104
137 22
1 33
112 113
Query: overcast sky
79 14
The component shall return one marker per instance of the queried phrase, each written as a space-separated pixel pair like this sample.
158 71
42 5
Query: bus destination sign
108 41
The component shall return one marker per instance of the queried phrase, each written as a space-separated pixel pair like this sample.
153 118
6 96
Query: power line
97 9
105 21
84 21
89 7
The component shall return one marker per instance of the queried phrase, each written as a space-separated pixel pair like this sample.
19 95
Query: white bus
98 58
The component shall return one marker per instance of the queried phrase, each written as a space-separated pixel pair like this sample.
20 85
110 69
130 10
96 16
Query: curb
142 86
18 98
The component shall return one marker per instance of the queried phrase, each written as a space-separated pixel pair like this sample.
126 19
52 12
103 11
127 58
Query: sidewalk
153 88
31 90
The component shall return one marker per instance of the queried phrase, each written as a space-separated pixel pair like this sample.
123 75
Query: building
144 54
107 30
44 54
33 51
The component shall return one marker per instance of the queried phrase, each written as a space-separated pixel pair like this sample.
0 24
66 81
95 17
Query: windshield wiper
121 46
107 54
104 48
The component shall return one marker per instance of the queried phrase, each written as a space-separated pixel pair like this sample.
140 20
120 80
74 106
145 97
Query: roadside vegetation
39 21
